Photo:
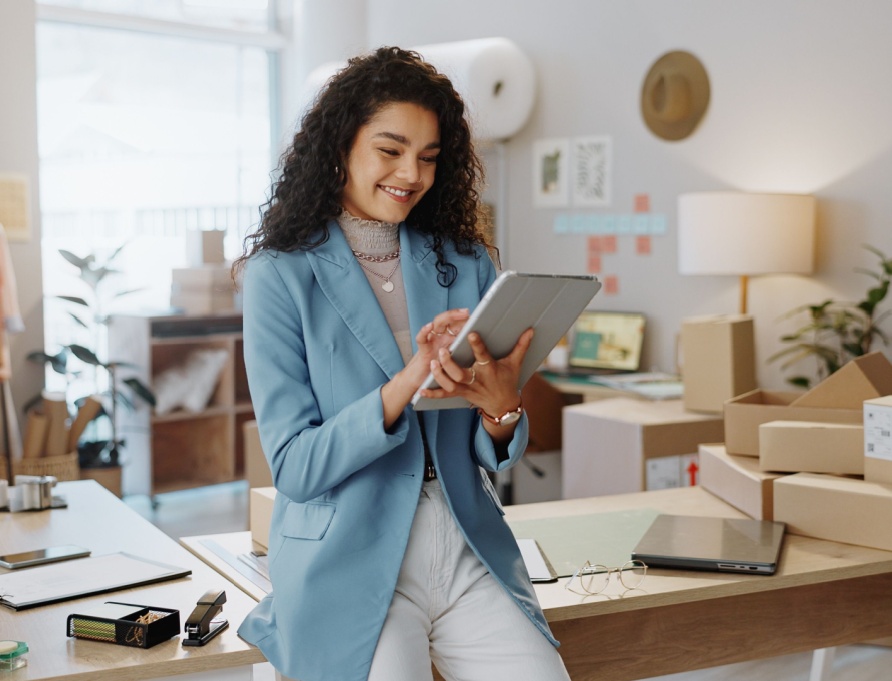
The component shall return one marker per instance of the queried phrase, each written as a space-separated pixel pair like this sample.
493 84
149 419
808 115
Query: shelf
182 449
183 415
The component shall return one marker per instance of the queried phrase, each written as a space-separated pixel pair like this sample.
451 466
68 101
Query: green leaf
85 355
77 261
116 252
128 292
141 390
58 362
853 349
800 381
77 320
39 357
74 299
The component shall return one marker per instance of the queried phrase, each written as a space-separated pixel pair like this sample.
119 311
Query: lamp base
744 285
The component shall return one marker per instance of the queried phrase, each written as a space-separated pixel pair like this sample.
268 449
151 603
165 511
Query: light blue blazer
317 350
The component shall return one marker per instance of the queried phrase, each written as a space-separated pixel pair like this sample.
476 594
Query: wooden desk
98 520
824 594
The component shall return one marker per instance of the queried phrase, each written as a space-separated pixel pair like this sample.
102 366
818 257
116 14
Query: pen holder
143 628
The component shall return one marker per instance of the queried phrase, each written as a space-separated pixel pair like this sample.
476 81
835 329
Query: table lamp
745 234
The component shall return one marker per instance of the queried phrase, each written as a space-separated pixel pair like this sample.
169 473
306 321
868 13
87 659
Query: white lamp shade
741 233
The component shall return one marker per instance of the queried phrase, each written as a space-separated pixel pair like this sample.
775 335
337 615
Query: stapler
204 623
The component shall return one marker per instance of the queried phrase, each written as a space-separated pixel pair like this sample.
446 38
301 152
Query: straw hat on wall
675 95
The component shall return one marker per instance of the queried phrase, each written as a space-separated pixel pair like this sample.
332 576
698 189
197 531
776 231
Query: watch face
509 418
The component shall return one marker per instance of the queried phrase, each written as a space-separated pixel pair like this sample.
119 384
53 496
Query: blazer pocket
307 521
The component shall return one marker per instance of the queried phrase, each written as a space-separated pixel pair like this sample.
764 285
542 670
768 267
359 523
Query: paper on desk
536 563
29 587
607 538
654 385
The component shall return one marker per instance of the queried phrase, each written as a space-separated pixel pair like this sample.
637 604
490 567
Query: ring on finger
483 364
450 331
473 376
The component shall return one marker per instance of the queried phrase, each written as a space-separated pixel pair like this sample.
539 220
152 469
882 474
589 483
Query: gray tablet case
708 543
516 301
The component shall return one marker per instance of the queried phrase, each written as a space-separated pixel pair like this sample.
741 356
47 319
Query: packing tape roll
494 77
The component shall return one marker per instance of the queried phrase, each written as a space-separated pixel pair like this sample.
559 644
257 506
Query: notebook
708 543
605 342
29 587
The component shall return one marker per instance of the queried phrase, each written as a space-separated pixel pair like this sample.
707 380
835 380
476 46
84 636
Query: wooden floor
224 508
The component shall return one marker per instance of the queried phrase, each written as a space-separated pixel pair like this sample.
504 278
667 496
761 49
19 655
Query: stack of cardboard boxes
206 286
621 445
820 461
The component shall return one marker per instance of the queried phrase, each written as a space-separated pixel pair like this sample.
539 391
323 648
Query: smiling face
392 162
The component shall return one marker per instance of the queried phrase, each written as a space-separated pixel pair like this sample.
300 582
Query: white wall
799 103
18 154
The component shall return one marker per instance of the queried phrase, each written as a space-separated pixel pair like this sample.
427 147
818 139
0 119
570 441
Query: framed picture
592 167
551 164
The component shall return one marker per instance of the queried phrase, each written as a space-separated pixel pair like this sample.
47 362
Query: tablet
516 301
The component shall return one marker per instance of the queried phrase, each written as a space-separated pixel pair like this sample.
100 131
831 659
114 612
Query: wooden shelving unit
181 449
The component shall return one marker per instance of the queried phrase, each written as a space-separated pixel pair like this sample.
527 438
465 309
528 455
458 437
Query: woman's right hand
439 333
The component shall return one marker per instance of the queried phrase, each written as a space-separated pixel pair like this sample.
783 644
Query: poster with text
592 167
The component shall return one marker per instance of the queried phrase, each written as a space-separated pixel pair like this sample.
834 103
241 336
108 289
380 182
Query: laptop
604 343
709 543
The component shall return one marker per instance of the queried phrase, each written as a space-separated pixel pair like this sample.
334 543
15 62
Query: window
241 14
144 135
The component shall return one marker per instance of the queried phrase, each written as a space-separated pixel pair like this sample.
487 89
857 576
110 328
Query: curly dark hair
309 189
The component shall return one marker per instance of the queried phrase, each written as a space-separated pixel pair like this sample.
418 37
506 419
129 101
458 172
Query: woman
387 546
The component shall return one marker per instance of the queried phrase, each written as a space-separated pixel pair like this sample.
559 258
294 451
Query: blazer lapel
425 298
345 285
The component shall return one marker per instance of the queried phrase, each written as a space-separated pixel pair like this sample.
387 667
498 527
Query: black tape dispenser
205 622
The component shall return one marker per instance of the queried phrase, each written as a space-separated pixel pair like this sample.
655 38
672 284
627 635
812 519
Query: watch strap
498 420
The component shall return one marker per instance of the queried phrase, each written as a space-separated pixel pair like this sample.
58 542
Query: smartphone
41 556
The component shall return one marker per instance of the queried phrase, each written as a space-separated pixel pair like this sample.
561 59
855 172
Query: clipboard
30 587
549 303
538 566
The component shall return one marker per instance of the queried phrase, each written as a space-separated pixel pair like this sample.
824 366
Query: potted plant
836 332
88 313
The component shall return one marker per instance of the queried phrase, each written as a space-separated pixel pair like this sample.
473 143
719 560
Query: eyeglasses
593 579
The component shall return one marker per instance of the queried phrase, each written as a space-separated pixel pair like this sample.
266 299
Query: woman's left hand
490 384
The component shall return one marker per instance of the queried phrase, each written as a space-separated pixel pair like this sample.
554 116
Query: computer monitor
610 341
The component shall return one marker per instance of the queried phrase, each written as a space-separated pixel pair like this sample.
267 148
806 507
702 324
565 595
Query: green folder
568 542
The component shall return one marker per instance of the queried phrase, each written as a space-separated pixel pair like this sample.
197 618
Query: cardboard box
260 510
202 290
669 472
811 447
864 378
719 360
840 509
738 481
608 443
878 440
256 466
204 247
745 413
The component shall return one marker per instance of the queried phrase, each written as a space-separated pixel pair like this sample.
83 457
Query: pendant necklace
387 286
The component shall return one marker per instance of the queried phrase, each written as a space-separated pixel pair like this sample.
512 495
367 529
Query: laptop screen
607 340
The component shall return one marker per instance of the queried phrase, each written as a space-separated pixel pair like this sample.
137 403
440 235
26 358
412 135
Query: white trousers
448 609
